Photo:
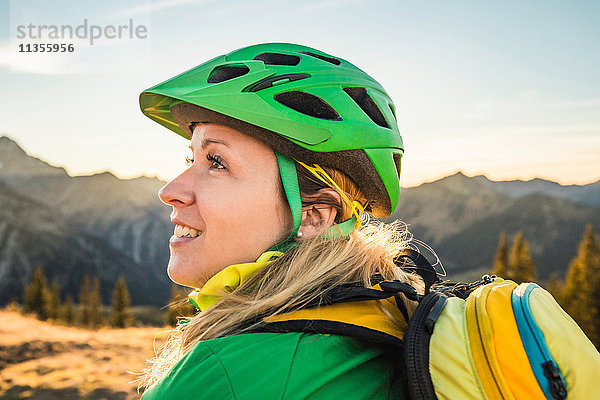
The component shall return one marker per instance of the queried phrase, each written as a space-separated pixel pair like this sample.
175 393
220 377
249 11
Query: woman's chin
185 275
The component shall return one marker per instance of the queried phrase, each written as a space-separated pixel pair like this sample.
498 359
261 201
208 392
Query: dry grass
39 360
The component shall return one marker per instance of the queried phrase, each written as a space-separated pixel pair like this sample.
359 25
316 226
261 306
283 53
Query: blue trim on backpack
533 339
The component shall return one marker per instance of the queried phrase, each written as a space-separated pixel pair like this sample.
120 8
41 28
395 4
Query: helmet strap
289 178
343 229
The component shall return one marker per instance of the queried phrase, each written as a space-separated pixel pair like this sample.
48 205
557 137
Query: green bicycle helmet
306 104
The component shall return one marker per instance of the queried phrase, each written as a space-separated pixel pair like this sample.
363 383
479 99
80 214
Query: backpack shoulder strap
370 314
377 314
361 319
422 266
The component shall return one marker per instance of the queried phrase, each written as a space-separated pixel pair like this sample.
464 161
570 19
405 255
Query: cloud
153 6
576 104
484 105
325 5
526 101
531 97
104 56
38 63
486 131
527 95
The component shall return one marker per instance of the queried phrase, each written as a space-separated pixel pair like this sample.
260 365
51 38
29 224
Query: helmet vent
331 60
276 80
393 111
226 73
278 59
366 103
307 104
397 161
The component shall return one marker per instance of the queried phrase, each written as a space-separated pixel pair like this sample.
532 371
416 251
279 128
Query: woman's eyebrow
206 142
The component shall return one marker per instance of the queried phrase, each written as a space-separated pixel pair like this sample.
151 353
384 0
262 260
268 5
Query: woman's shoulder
280 365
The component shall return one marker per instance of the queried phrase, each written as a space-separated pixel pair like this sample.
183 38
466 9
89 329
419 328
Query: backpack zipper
536 348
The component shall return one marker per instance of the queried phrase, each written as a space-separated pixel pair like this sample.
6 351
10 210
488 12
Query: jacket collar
229 279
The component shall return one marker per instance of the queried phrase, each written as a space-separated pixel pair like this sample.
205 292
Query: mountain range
105 226
461 219
99 224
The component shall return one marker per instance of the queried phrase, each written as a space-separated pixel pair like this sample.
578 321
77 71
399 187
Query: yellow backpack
501 341
491 339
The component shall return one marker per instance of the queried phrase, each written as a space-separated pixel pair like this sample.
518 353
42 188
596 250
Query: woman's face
229 197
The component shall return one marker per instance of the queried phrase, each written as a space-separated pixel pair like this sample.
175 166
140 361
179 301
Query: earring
298 235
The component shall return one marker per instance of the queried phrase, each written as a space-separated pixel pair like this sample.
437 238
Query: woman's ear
317 218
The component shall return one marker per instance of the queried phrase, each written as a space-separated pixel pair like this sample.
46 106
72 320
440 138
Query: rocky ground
40 360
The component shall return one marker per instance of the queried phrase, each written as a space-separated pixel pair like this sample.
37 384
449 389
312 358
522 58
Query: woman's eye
215 160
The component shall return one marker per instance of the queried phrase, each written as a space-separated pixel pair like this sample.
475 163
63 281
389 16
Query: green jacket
281 366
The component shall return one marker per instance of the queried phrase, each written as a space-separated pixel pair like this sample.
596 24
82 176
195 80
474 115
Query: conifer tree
95 305
525 269
54 300
178 306
13 304
68 314
501 259
582 286
36 295
556 287
520 264
84 301
121 316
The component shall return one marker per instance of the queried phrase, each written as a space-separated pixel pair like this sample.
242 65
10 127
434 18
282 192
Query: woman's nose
177 192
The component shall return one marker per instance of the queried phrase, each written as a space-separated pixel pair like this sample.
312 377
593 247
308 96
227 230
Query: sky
506 89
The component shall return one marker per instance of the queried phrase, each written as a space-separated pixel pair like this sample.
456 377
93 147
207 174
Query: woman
289 147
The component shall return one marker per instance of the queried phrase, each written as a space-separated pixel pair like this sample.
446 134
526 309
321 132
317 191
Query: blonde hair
293 280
